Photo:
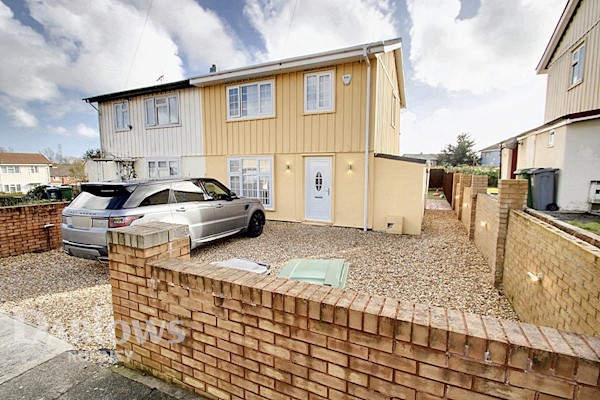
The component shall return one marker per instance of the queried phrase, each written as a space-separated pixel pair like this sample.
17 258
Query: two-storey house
569 139
20 172
316 137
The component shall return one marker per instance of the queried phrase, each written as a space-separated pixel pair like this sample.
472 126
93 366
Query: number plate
81 222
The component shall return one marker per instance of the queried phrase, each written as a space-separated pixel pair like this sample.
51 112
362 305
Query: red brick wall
247 336
22 228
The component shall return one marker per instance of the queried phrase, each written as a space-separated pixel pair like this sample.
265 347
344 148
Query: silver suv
209 208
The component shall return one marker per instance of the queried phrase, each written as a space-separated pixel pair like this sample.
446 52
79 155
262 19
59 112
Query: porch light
535 277
349 166
287 166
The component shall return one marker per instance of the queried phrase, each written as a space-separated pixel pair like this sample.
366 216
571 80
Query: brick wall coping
147 235
579 233
384 322
33 205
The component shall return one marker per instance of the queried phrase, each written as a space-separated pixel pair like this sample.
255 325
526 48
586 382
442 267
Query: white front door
318 189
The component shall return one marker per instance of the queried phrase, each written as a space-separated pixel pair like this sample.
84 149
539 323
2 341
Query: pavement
441 204
36 365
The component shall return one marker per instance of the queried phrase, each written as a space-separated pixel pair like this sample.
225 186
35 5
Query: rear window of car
102 198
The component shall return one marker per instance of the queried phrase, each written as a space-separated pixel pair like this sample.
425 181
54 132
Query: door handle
182 209
328 191
219 206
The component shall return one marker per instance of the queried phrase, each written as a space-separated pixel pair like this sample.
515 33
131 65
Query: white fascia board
298 63
558 33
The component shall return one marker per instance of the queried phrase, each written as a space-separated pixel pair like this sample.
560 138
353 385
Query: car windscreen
102 197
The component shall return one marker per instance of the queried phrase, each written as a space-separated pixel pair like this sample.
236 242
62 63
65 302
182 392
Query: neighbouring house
490 156
67 174
20 172
430 159
569 139
316 137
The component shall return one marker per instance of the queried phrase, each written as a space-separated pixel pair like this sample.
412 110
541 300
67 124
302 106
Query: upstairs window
162 111
393 118
318 92
10 169
250 101
577 65
33 169
121 116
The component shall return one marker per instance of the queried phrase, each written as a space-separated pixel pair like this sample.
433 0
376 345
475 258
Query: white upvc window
254 100
162 111
12 188
10 169
163 168
252 177
551 139
577 62
33 169
121 111
319 92
393 117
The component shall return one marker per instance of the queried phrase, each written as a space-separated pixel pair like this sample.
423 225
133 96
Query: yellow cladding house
316 138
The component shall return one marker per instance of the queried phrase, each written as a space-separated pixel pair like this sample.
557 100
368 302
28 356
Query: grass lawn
430 195
492 190
593 227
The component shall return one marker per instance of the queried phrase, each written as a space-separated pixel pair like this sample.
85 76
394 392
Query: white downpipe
367 134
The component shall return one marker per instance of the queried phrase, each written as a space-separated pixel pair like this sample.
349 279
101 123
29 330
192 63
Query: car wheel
257 222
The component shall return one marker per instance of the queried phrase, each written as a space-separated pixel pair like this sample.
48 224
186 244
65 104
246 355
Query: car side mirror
232 195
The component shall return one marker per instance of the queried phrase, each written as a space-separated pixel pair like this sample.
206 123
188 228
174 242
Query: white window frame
551 139
157 169
268 175
320 109
121 112
33 169
150 104
10 169
394 102
233 115
12 188
577 64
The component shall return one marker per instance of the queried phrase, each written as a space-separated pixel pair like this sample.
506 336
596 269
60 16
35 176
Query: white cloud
488 118
496 49
318 25
23 118
79 130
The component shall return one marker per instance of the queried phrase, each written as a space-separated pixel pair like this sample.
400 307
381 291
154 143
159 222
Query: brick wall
22 228
247 336
568 295
469 203
486 230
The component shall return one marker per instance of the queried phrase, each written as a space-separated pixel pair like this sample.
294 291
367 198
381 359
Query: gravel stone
439 268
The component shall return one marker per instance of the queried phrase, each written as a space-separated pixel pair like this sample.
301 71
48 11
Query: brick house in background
67 174
20 172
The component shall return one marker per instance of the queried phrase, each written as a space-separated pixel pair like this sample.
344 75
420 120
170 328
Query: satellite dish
511 144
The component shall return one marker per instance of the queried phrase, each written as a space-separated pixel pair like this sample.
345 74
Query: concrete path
36 365
441 204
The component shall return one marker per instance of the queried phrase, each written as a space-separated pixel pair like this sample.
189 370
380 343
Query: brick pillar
455 191
512 194
134 291
478 185
465 182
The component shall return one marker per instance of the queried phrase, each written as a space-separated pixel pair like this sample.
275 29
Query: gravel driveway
441 268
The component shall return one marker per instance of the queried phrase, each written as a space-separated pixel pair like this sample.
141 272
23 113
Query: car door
230 213
191 207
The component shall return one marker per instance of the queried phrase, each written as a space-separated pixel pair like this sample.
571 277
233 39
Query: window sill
162 126
575 85
317 112
250 118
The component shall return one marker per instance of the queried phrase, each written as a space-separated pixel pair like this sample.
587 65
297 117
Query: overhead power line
138 44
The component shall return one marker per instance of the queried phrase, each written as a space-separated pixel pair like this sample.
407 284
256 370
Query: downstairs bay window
252 177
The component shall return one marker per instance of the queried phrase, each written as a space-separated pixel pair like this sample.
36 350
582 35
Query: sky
469 65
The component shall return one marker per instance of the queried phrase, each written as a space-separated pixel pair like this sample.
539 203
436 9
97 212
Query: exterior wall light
287 166
535 277
349 166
